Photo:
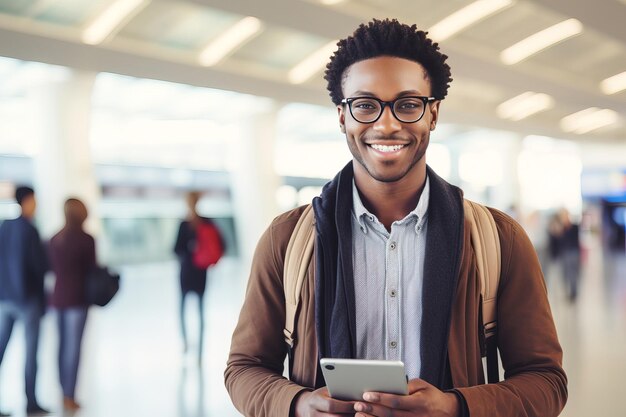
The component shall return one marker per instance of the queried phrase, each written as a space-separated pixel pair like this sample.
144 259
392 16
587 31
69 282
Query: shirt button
392 246
393 344
393 293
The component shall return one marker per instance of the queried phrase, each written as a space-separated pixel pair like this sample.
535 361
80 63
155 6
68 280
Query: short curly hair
388 38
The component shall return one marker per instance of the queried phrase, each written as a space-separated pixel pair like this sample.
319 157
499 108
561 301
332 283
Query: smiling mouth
386 148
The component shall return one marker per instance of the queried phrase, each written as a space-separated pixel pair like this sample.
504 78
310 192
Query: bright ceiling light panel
111 19
230 40
312 64
331 2
524 105
589 119
465 17
540 41
614 84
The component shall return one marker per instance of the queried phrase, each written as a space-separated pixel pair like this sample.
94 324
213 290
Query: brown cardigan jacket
535 383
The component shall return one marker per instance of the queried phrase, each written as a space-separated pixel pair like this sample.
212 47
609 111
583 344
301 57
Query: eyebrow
400 94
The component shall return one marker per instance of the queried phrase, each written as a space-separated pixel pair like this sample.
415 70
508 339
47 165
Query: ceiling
163 40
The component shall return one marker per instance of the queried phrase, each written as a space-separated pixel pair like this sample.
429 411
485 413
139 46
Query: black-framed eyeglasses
409 109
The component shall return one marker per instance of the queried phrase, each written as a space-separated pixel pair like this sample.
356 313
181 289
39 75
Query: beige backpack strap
486 242
297 259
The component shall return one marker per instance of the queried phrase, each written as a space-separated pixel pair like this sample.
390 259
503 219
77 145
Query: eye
409 105
365 104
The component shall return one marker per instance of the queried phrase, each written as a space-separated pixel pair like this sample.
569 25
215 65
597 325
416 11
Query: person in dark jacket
192 277
569 248
72 255
23 265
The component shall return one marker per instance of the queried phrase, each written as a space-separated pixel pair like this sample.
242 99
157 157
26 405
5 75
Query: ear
341 112
434 114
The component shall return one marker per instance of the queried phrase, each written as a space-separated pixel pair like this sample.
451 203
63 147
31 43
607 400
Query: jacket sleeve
254 373
180 247
37 262
90 259
535 384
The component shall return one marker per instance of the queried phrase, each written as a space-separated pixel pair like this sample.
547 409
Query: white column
508 194
63 165
254 180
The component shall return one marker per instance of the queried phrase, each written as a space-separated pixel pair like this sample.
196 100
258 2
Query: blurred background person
72 256
198 246
23 264
554 233
535 225
569 243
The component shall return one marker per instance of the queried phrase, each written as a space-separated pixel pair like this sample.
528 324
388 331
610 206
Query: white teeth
385 148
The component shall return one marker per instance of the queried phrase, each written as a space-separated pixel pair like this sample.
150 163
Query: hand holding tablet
348 379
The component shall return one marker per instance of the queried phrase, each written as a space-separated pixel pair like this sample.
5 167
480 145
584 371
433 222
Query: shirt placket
392 297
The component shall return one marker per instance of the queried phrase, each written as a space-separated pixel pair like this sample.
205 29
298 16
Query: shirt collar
422 206
419 212
359 210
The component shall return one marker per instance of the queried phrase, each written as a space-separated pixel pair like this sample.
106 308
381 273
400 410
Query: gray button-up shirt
388 278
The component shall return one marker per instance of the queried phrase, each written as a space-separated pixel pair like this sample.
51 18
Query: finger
387 400
414 386
322 414
417 385
362 407
377 410
396 402
367 409
326 404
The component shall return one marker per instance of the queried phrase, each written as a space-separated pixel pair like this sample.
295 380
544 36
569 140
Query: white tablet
348 379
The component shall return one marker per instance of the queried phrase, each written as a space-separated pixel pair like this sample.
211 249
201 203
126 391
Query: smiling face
387 150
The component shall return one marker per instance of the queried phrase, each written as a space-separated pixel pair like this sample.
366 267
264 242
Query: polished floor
133 363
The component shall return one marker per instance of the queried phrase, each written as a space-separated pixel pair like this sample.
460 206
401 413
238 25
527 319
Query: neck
390 201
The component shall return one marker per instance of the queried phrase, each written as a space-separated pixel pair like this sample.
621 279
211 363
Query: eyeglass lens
408 109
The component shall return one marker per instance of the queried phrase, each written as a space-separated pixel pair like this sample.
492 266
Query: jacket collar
444 244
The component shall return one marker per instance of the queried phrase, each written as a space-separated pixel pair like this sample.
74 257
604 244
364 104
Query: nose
387 122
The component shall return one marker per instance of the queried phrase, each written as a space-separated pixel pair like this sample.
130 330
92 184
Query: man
23 264
392 249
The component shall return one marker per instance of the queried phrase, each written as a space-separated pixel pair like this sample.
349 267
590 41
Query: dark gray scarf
334 284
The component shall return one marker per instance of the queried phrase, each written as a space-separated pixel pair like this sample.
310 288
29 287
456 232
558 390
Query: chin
388 177
390 174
